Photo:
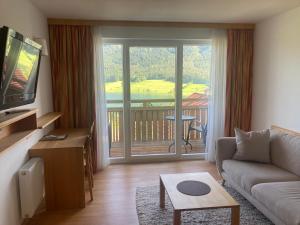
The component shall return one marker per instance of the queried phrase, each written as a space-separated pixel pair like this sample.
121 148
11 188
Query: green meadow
148 89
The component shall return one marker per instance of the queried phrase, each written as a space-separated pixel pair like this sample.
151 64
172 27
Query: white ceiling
222 11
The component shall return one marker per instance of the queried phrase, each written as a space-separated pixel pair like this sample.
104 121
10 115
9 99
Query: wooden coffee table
217 198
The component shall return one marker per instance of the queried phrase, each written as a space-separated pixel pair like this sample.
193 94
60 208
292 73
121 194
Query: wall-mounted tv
19 68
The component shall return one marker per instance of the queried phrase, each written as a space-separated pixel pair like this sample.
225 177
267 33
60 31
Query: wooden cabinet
64 169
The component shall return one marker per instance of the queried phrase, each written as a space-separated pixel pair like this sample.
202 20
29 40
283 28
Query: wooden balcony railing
148 119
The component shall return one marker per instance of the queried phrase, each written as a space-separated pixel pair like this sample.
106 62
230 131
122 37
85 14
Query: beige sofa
273 188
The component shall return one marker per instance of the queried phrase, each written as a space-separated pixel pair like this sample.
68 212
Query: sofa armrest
225 149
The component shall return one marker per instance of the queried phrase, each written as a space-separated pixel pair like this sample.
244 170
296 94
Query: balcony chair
201 129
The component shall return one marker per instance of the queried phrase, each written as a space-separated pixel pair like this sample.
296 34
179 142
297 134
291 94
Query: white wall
276 93
28 20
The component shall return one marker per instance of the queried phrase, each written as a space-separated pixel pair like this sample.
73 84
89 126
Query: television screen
20 59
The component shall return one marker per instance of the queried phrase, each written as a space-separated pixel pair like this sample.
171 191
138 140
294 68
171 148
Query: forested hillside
158 64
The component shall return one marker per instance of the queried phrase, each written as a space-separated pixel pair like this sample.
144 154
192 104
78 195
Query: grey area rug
149 212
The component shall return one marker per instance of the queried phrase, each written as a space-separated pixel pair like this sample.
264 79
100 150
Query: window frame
178 45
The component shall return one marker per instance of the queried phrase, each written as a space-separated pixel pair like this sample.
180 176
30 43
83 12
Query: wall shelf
14 139
16 126
47 119
9 119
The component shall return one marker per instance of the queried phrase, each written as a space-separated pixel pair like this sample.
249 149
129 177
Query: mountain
158 63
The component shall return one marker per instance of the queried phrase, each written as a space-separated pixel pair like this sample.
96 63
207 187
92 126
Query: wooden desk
64 169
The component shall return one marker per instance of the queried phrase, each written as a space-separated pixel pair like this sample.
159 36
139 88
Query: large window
142 94
195 87
113 71
152 95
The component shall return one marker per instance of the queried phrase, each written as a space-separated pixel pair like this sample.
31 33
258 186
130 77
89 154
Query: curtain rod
57 21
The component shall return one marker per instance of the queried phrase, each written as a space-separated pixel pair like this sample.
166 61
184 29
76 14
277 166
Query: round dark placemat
193 188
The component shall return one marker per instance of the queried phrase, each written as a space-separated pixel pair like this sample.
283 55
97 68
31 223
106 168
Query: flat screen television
19 68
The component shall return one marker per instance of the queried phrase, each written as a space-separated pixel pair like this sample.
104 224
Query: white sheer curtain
101 113
216 105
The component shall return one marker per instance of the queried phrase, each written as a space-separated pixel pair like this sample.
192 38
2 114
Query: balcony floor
148 148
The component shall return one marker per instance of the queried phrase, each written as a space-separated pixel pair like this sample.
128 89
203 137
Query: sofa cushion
248 174
253 146
282 199
285 151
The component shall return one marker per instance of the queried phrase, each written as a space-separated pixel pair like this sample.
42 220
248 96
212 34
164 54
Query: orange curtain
239 80
71 50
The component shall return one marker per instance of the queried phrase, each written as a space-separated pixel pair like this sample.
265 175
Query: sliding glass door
152 88
152 98
195 94
113 71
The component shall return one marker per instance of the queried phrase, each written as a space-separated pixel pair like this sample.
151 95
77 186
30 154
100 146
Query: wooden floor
114 193
148 148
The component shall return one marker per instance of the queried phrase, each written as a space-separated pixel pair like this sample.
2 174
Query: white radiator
31 181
